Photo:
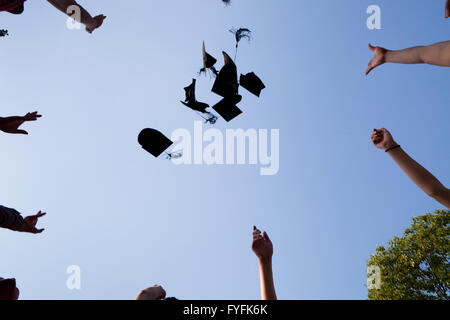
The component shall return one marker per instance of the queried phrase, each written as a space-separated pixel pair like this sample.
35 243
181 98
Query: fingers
370 68
40 214
256 233
372 48
18 131
376 136
38 231
266 236
32 116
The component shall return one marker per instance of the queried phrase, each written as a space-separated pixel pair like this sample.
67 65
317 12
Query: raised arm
85 18
263 248
437 54
12 124
447 9
383 139
12 220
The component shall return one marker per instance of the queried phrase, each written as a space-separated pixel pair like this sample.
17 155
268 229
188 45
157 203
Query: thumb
20 132
372 48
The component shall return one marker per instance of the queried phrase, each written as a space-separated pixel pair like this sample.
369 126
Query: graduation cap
226 84
8 289
252 83
154 142
208 61
192 103
227 108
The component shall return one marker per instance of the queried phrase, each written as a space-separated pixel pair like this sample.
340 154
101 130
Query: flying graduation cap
156 143
227 86
252 83
192 103
208 62
227 108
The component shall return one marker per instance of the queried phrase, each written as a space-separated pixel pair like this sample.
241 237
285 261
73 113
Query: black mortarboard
190 91
252 83
226 84
227 108
191 101
208 60
154 142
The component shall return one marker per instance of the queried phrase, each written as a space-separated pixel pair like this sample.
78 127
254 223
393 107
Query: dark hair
171 299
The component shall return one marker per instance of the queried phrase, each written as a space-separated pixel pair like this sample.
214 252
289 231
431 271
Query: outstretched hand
378 59
261 245
29 223
12 124
382 139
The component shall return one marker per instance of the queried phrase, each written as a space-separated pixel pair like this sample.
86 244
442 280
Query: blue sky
130 221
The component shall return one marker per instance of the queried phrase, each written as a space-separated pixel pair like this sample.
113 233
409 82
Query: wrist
388 55
265 261
390 145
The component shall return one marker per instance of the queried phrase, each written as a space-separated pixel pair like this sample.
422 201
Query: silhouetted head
171 299
18 10
8 289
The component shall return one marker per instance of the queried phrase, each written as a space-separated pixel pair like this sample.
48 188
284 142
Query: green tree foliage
3 33
417 265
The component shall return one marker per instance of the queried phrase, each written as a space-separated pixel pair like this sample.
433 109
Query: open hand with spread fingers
29 223
12 124
378 59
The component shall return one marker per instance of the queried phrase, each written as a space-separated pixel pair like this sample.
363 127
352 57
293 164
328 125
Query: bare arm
11 219
85 18
382 139
447 9
437 54
263 248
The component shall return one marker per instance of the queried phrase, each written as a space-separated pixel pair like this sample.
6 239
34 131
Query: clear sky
130 221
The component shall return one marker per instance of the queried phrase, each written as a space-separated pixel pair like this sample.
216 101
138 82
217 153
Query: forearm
4 122
436 54
266 280
10 219
421 176
63 5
